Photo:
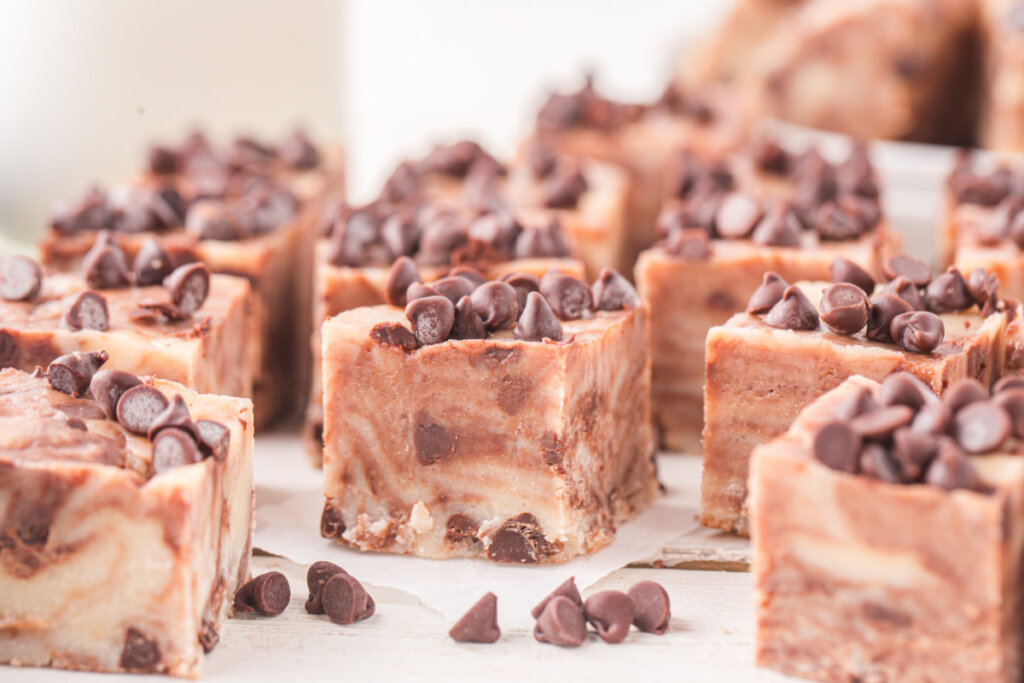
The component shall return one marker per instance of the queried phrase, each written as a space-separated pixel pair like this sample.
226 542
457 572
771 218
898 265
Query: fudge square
520 433
119 552
887 552
763 367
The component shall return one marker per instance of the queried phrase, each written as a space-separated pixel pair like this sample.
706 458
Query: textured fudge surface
104 566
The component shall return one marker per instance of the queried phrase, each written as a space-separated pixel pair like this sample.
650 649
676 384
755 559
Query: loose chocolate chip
87 311
21 278
267 595
418 290
188 286
214 439
911 268
212 219
981 426
467 324
152 264
173 448
767 294
432 318
139 653
316 576
780 227
569 297
72 372
948 293
403 273
837 447
612 292
479 624
453 288
932 418
107 387
844 308
884 308
298 152
176 415
844 270
138 407
497 304
104 265
913 451
537 321
567 589
561 623
737 215
611 613
520 539
904 289
1012 401
394 334
881 423
875 461
962 393
859 402
918 332
794 311
523 283
344 599
903 388
951 469
652 607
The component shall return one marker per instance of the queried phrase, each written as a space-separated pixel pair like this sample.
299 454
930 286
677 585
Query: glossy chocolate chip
903 388
911 268
904 289
87 311
21 279
432 318
188 286
844 308
612 292
981 426
107 387
479 624
794 311
837 446
569 297
352 236
884 308
402 183
566 589
176 415
138 407
918 332
474 276
467 324
913 451
962 393
72 372
173 448
316 576
403 272
497 304
652 607
780 227
948 293
267 595
844 270
453 288
951 469
768 294
104 265
214 439
344 599
537 321
152 264
611 613
859 402
561 623
523 283
441 233
737 215
1012 401
881 423
212 219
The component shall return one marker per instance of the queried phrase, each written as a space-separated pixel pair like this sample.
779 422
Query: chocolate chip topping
566 589
904 289
1012 401
152 264
690 245
467 324
612 292
403 272
779 228
837 446
981 426
344 599
299 152
737 215
394 334
858 403
611 613
843 270
523 283
545 241
568 297
316 576
652 607
984 289
561 623
176 415
87 311
497 304
400 234
21 279
72 372
212 219
919 331
844 308
835 223
499 230
188 286
881 422
267 595
138 407
948 292
432 318
538 321
911 268
963 393
107 387
768 294
884 308
903 388
173 448
794 311
951 469
418 290
104 265
479 624
453 288
563 188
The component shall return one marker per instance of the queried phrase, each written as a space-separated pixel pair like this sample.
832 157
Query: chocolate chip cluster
903 312
562 181
905 435
463 305
838 202
332 591
231 192
141 409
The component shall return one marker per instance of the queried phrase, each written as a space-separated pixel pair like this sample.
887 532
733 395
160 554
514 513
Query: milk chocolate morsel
951 469
104 265
432 318
913 451
779 228
612 292
403 273
497 304
537 321
794 311
984 288
138 407
875 461
568 297
981 426
174 448
903 288
903 388
962 393
918 331
495 229
611 613
344 599
768 294
214 439
541 242
844 270
567 589
523 283
212 219
879 424
453 288
844 308
188 286
948 293
152 264
72 372
107 387
479 624
467 324
21 278
837 447
316 576
834 223
87 213
87 311
737 215
174 415
858 403
418 290
267 595
884 308
932 418
652 607
561 623
913 269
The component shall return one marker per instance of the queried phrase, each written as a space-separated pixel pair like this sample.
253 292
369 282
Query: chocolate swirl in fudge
906 435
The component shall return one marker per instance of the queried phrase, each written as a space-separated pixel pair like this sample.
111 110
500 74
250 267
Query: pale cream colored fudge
105 566
856 578
758 378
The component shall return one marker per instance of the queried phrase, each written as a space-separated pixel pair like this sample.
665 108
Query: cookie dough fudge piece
892 556
483 430
765 366
118 551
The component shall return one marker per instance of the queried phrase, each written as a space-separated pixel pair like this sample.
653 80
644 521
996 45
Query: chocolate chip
454 159
138 407
139 209
737 215
173 448
844 308
214 439
984 289
523 283
467 324
394 334
875 461
612 292
432 318
569 297
403 272
913 451
344 599
474 276
768 156
932 418
903 388
400 234
962 393
212 219
418 290
139 652
107 387
768 294
690 245
87 213
779 228
859 402
152 264
432 441
563 188
21 279
951 469
497 230
87 311
566 589
352 237
884 308
545 241
918 332
453 288
72 372
176 415
652 607
561 623
441 234
402 183
1012 401
479 624
856 174
948 293
904 289
981 426
837 446
316 576
834 223
1007 383
881 423
537 321
298 152
611 613
267 595
844 270
497 304
104 265
188 286
911 268
794 311
520 539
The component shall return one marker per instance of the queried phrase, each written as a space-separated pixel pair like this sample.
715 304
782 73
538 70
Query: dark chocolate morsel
537 321
844 270
569 297
138 407
400 234
394 334
692 245
844 308
875 461
794 311
479 624
913 269
299 152
611 613
212 219
474 276
316 576
523 283
834 223
432 318
918 331
1008 382
498 230
962 393
214 439
497 304
837 447
884 308
139 652
176 414
903 388
913 451
267 595
612 292
904 289
879 424
652 607
467 324
104 265
344 599
932 418
21 278
152 264
859 402
948 293
566 589
563 188
1012 401
768 294
561 623
951 469
87 311
107 387
983 286
72 372
432 441
737 215
520 539
780 227
162 160
453 288
981 426
403 273
188 286
418 290
172 448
